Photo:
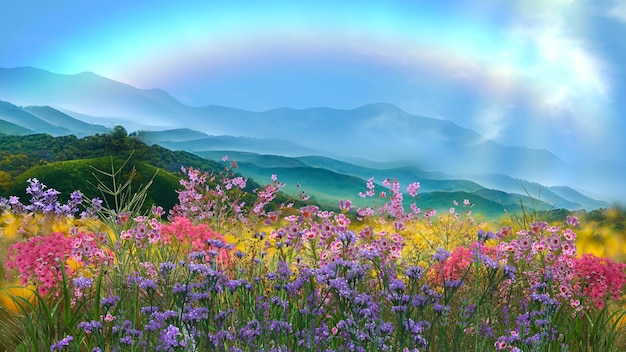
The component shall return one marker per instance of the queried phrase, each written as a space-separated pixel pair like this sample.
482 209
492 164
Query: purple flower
398 309
441 255
271 276
325 273
347 237
215 242
200 255
484 329
153 325
179 288
440 308
488 261
220 337
146 284
485 236
509 271
166 267
109 301
414 272
202 269
275 300
341 286
572 221
250 332
369 254
61 343
149 310
76 197
396 285
279 326
90 326
82 282
96 203
283 270
127 340
196 314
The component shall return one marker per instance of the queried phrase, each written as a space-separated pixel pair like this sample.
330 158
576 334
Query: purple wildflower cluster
207 197
44 200
315 280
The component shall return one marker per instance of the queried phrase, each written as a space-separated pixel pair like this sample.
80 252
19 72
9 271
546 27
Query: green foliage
615 217
19 153
67 176
67 163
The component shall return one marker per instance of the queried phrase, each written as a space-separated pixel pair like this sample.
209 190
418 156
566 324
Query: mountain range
374 140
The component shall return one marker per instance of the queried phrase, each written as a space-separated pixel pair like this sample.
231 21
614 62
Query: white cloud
618 10
491 122
570 81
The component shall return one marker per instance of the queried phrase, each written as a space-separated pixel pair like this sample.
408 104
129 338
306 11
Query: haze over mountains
376 136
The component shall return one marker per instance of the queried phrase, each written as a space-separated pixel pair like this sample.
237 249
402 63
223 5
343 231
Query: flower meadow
226 271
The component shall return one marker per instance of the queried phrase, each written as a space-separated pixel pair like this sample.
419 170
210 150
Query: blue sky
539 73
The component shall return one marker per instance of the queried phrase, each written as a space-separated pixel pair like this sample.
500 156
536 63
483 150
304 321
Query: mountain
17 116
169 136
44 119
208 143
8 128
379 132
559 196
58 119
89 94
330 180
575 196
376 131
67 163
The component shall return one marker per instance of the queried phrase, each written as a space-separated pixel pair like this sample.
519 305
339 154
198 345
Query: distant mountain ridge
379 132
255 165
44 119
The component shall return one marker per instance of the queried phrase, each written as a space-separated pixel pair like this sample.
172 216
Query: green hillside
68 176
327 187
67 163
8 128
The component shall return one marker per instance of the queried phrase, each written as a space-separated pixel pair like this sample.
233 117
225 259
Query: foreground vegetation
227 271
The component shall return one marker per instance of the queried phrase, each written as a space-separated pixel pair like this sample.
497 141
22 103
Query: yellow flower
11 294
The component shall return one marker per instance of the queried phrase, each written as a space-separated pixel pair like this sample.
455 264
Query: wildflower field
226 270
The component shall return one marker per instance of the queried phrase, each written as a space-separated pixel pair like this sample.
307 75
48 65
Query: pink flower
603 279
38 260
413 188
196 236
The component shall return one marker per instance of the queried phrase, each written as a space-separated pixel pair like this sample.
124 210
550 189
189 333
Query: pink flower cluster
385 245
266 194
456 266
87 248
39 260
196 236
542 239
601 278
552 252
394 207
206 197
145 230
